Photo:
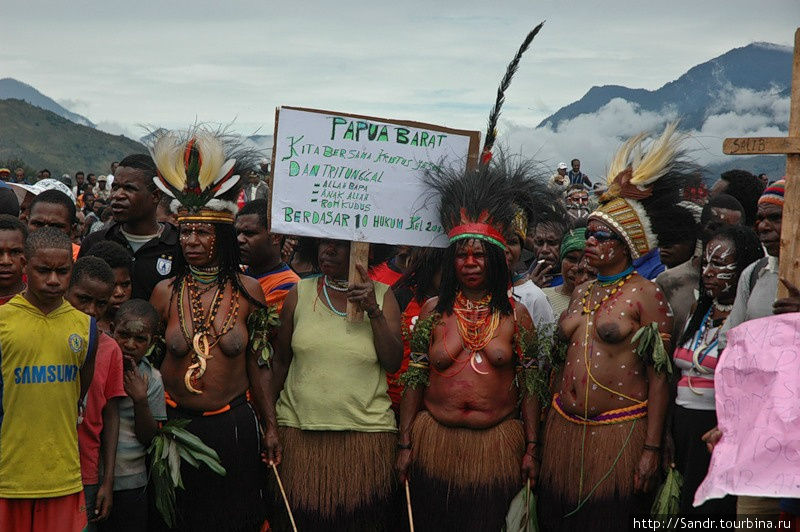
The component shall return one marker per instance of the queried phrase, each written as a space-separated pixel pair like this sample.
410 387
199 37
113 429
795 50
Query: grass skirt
337 480
613 502
464 479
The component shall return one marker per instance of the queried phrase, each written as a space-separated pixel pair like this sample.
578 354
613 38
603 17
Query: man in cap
101 190
5 174
560 181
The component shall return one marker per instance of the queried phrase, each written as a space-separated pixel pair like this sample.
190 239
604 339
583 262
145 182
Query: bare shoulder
523 317
428 307
253 287
649 289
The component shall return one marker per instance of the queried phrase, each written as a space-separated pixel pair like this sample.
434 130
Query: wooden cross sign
790 147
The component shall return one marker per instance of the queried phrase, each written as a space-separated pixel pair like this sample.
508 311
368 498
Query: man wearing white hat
560 181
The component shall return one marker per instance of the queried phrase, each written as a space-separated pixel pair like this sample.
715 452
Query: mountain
11 88
758 67
43 139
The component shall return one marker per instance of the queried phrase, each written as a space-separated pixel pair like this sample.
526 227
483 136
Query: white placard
359 178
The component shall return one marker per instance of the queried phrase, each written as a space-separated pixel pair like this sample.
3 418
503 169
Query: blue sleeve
155 396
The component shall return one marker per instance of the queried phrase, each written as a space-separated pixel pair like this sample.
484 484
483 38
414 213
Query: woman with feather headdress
215 321
470 411
603 434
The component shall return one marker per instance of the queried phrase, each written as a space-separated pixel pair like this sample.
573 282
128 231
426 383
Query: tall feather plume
494 115
622 158
660 156
167 152
212 155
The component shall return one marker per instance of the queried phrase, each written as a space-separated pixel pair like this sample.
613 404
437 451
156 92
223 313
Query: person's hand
530 469
363 293
103 502
791 303
402 463
273 451
540 274
135 384
711 438
287 250
645 478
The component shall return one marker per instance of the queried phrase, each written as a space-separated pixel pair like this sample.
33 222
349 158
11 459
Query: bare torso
226 376
465 391
602 372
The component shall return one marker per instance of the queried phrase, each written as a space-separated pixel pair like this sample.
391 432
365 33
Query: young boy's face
48 273
12 259
134 336
90 296
122 288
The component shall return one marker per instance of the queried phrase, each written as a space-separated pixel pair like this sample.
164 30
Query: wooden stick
408 504
527 505
285 500
359 254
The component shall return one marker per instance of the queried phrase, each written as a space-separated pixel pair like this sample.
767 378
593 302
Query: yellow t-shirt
40 360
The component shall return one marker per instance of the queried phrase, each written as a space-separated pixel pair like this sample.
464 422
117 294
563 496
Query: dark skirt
237 501
692 459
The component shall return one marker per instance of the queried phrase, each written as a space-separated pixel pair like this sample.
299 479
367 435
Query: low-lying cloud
594 137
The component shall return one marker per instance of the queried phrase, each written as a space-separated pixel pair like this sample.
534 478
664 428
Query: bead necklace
477 323
336 284
328 300
203 336
618 284
605 280
205 275
722 308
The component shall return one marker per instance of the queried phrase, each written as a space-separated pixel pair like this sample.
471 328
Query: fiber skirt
236 501
337 480
591 467
464 479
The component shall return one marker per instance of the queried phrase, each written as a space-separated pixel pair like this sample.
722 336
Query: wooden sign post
789 146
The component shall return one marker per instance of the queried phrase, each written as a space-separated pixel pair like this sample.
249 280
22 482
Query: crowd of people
535 352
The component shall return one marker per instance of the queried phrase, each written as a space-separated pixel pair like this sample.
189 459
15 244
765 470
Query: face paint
719 270
470 264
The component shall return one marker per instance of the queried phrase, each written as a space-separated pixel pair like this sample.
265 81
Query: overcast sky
166 63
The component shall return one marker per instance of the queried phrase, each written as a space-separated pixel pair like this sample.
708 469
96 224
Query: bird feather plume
167 152
494 115
212 155
622 159
660 156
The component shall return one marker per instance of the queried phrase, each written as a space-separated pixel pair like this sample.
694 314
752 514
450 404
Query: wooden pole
408 505
359 254
283 493
789 268
789 264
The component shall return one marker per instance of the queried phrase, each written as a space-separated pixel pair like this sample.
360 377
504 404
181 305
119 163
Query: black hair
417 283
139 308
144 163
43 170
498 278
258 207
90 174
93 268
56 197
746 188
105 214
47 238
113 254
573 160
12 223
380 253
679 226
721 201
228 260
747 249
79 172
9 204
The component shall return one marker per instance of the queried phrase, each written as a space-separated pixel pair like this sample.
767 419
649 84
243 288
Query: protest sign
757 390
358 178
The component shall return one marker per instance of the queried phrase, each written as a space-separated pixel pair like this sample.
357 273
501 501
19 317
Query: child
135 326
121 264
90 288
48 350
12 256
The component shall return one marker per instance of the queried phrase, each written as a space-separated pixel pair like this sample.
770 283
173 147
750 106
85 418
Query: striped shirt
276 283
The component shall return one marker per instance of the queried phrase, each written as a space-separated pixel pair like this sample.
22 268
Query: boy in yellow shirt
47 351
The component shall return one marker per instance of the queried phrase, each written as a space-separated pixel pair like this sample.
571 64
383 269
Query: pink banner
757 384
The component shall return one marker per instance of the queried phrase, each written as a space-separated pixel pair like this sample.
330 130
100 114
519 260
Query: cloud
76 105
117 128
594 137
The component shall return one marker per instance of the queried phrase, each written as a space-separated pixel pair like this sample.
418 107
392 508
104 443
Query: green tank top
335 381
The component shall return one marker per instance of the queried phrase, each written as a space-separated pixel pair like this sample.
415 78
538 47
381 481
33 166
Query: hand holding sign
790 303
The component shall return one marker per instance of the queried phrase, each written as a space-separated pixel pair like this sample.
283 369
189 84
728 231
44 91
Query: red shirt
407 322
106 384
385 273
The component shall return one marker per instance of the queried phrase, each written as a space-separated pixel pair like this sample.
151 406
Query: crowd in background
125 240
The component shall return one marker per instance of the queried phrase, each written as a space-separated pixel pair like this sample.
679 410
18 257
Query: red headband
477 230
